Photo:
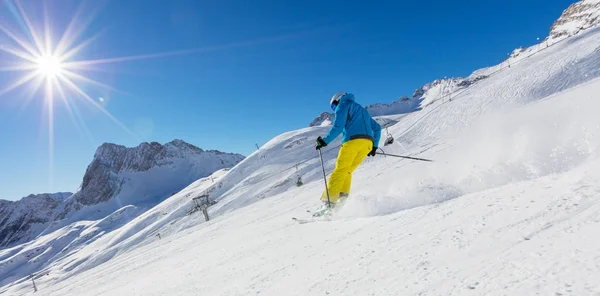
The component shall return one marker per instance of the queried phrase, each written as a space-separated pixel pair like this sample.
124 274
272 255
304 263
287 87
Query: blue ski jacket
354 122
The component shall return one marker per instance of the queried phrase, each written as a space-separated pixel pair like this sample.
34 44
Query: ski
303 221
312 219
317 217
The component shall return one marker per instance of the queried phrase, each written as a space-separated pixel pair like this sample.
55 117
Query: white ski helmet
335 100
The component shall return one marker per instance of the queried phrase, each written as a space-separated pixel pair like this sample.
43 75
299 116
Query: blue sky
255 69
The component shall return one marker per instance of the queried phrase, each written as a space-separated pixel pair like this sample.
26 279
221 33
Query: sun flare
49 66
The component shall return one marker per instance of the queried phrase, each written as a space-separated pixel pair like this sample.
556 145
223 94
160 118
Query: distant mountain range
118 176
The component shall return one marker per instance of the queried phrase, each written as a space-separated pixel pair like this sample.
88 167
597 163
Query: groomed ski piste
510 206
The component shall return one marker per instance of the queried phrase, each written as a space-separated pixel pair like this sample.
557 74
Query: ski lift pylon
390 139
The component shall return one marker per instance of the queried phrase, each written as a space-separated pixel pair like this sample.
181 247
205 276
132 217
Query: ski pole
407 157
325 179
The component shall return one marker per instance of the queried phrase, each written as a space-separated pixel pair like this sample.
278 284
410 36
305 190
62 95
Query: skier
361 134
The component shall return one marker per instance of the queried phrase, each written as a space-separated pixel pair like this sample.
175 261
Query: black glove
373 151
320 143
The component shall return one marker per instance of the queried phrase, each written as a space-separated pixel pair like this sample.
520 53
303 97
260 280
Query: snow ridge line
458 92
455 93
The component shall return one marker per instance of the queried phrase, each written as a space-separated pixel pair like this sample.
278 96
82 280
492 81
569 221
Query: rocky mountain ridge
146 174
578 17
17 217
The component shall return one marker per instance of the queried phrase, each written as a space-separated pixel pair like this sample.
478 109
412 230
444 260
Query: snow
401 106
484 219
51 242
23 218
578 17
509 207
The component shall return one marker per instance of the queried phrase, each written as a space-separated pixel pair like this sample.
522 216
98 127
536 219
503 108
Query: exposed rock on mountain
18 217
578 17
118 176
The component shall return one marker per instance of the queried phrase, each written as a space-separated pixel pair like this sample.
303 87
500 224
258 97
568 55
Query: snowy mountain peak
180 144
118 177
402 105
104 176
58 196
143 157
578 17
323 119
16 217
422 97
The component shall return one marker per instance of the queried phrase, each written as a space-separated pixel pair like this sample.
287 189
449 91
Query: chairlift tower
32 276
202 203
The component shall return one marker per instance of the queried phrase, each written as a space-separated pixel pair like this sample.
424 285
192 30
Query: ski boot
343 197
324 210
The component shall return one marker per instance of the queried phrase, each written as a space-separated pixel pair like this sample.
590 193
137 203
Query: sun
49 66
51 69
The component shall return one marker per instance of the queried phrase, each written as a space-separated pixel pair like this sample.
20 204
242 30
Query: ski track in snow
509 207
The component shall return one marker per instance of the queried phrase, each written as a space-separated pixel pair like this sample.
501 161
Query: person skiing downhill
360 138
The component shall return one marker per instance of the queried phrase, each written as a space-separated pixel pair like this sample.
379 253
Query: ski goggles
333 106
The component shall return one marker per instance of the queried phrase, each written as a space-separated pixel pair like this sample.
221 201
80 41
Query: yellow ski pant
349 158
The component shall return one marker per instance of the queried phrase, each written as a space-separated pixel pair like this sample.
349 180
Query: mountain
578 17
147 173
18 217
60 196
422 97
117 177
323 119
508 207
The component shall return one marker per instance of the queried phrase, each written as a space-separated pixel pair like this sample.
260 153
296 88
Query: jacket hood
347 97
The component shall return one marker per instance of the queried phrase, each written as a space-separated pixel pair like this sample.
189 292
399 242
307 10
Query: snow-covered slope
119 184
576 19
509 207
86 243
